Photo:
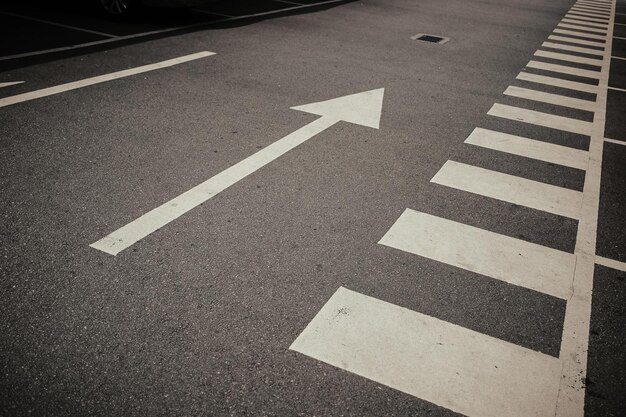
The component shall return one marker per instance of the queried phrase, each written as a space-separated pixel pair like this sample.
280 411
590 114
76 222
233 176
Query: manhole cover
425 37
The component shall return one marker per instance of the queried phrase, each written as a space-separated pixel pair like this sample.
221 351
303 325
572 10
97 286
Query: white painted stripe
32 95
585 23
563 69
557 82
497 256
602 4
579 34
617 89
559 100
529 148
576 41
448 365
155 219
50 23
593 10
620 24
8 84
510 188
541 119
581 13
583 28
569 58
586 19
619 37
617 57
618 142
579 49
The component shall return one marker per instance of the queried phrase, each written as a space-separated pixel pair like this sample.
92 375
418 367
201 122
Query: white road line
618 57
579 49
620 24
529 148
619 37
510 188
611 263
579 34
10 83
575 337
569 58
581 13
589 10
48 22
576 41
618 142
563 69
362 108
587 19
584 28
584 23
454 367
617 89
504 258
557 82
32 95
541 119
543 97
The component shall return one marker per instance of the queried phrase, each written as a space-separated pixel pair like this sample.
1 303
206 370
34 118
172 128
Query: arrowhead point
361 108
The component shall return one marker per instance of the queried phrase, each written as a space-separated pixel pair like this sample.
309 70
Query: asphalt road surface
281 208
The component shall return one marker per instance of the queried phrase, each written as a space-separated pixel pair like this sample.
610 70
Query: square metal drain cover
425 37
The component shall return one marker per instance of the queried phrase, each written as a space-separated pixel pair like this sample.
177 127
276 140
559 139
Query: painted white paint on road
583 28
579 34
497 256
557 99
509 188
362 109
576 41
569 58
457 368
557 82
563 69
8 84
585 23
32 95
586 18
519 114
579 49
529 148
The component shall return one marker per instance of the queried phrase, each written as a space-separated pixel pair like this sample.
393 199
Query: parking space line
557 99
32 95
611 263
510 188
617 142
619 37
617 89
519 114
529 148
501 257
48 22
457 368
10 83
618 57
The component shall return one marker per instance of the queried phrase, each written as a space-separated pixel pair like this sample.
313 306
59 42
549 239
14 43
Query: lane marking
617 89
50 23
569 58
543 97
575 338
618 142
563 69
510 188
529 148
541 119
32 95
584 23
579 34
563 47
619 37
577 41
583 28
362 109
618 57
8 84
557 82
620 24
501 257
611 263
460 369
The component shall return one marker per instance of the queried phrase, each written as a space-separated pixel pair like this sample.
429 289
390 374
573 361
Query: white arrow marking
362 109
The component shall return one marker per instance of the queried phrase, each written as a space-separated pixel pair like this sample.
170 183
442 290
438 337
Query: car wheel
119 8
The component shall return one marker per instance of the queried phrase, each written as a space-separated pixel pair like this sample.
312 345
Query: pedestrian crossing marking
585 18
510 188
501 257
577 41
580 34
557 82
569 58
449 365
565 124
571 48
582 13
529 148
557 99
578 27
585 23
563 69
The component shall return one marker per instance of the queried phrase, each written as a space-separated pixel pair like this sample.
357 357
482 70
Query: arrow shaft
155 219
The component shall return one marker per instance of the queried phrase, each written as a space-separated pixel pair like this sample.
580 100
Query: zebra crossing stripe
565 124
543 97
504 258
591 9
529 148
564 69
579 34
571 48
585 23
576 41
449 365
585 19
510 188
578 27
557 82
569 58
587 14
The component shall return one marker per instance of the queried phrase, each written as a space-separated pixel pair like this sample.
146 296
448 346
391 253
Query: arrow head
361 108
